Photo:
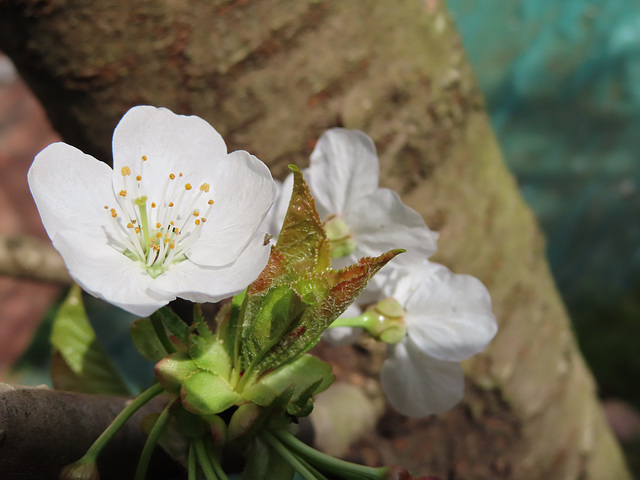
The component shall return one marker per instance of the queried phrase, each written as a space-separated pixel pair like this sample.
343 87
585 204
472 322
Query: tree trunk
271 76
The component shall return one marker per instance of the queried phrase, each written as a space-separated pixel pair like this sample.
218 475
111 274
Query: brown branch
32 259
42 430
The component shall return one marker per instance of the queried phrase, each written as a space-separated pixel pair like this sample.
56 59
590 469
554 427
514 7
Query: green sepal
210 355
244 420
219 429
173 323
173 370
205 393
80 364
146 341
300 379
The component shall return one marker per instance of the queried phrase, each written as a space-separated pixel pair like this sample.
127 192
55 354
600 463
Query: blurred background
561 81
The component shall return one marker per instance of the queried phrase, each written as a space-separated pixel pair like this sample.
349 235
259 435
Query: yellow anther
171 204
172 222
210 202
159 235
125 171
176 230
196 213
172 245
106 207
123 193
144 158
137 229
203 219
180 174
138 177
187 186
134 220
197 221
129 225
153 205
158 225
113 213
204 187
172 176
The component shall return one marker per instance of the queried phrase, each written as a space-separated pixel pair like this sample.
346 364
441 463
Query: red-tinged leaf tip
275 269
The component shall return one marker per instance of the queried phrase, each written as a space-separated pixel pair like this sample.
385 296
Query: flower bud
80 471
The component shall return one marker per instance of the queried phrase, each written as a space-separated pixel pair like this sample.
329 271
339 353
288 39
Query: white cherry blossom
448 319
177 216
362 219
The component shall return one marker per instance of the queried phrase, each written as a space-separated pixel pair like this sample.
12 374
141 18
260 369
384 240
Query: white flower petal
344 166
418 385
199 283
70 189
381 222
243 193
106 273
448 316
171 144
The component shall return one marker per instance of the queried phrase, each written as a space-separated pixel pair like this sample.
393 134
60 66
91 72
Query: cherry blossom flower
448 318
362 219
177 216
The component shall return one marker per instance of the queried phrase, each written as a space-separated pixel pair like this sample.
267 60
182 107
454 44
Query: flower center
158 232
340 236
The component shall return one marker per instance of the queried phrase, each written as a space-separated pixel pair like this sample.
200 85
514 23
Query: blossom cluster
179 216
430 317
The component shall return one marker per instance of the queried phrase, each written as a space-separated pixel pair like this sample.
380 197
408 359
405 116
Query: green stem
161 333
193 464
306 471
204 460
152 440
94 450
214 459
361 321
328 463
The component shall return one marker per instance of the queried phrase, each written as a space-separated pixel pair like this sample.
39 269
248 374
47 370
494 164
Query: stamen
204 187
187 186
144 158
153 205
123 193
172 176
138 177
210 202
195 213
125 171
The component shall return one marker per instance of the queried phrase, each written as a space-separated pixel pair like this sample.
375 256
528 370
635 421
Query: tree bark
271 76
42 430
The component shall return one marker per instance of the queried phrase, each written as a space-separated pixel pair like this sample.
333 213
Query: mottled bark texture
272 76
42 430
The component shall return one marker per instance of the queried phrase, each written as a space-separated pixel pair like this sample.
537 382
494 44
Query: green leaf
173 323
205 393
146 341
302 239
267 318
75 342
305 372
334 291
